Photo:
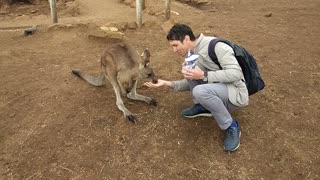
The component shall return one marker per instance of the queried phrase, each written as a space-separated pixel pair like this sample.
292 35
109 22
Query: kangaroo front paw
153 102
131 118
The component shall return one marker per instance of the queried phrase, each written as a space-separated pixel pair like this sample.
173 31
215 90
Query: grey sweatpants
214 97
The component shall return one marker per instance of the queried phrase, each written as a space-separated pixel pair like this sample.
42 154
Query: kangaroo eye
147 64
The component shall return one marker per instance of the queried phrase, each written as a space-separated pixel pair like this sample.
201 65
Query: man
215 92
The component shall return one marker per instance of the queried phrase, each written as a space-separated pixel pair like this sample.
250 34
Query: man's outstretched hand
160 83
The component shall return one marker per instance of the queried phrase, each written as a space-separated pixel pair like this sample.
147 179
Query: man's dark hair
179 31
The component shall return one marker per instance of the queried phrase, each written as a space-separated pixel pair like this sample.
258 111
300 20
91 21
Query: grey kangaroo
122 66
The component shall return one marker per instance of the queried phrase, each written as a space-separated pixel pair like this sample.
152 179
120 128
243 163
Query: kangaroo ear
146 56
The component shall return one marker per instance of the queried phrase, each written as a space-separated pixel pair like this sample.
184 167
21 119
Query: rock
30 31
99 34
121 26
112 29
34 11
268 15
132 25
195 2
200 2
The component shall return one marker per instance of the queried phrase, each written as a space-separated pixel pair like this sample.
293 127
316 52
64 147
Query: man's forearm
170 84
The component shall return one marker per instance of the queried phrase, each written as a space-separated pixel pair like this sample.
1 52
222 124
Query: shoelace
232 132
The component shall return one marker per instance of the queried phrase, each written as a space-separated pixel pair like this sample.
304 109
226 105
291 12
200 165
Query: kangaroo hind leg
119 101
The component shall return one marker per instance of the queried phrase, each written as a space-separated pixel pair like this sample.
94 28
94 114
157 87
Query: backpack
246 61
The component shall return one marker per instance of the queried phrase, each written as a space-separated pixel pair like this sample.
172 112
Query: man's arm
181 85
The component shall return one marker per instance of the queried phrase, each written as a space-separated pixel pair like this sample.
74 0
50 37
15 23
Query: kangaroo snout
155 80
152 77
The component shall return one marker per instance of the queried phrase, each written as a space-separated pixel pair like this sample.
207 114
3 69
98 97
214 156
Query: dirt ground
55 126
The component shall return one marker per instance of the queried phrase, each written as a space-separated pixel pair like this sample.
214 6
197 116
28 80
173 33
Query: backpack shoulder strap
212 53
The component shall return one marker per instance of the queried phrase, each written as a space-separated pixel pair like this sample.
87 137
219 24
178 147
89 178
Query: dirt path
95 11
107 11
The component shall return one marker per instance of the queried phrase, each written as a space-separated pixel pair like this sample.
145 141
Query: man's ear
186 39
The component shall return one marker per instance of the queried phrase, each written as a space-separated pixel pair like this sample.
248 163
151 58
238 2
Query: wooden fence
139 5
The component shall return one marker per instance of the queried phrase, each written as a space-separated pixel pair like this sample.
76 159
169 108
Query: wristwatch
205 76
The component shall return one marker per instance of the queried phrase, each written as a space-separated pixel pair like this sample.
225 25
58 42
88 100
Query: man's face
181 48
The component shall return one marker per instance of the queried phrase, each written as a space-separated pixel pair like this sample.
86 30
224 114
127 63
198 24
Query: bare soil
55 126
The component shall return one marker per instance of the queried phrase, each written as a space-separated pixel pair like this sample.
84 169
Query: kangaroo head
146 71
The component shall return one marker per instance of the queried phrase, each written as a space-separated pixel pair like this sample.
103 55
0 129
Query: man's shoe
232 137
196 111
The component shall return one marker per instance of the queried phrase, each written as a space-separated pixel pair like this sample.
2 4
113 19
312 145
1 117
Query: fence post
139 12
168 10
53 11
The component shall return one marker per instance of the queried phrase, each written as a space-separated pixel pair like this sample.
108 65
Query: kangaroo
122 66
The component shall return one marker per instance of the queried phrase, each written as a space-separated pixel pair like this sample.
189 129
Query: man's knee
204 91
199 91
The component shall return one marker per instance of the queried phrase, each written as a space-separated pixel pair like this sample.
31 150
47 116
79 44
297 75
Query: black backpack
246 61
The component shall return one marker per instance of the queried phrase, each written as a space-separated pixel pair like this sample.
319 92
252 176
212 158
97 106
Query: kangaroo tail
93 80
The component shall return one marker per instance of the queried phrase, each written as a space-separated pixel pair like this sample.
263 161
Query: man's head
181 39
